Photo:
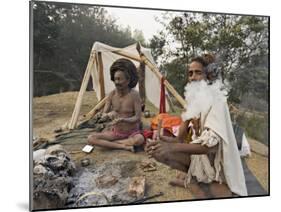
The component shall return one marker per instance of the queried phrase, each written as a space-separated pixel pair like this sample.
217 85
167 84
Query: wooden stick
92 69
101 77
170 102
83 87
141 72
159 127
93 111
96 59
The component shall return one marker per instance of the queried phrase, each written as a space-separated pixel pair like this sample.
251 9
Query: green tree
176 74
235 40
63 38
139 37
45 31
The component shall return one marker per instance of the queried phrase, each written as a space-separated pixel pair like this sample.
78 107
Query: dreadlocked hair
205 59
129 69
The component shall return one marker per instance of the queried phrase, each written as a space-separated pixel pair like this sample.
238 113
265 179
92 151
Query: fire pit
107 184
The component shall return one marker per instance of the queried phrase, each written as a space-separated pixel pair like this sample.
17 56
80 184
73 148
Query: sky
140 19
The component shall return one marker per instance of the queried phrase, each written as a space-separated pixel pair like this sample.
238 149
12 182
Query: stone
55 149
52 179
39 154
39 170
106 181
137 187
148 165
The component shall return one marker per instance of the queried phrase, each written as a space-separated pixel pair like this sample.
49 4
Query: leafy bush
256 126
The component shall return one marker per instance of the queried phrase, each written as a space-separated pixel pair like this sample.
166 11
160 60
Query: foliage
139 37
256 126
240 44
64 35
176 74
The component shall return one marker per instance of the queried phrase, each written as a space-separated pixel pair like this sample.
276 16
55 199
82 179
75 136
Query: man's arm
190 148
107 106
206 143
166 148
183 131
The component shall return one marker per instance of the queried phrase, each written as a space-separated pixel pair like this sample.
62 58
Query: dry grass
258 164
51 112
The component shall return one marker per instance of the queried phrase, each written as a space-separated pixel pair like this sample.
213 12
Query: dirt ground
51 112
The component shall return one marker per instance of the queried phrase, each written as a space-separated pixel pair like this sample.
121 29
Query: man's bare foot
130 148
128 142
220 190
177 182
180 175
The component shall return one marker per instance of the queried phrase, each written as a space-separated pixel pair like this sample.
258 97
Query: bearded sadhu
212 155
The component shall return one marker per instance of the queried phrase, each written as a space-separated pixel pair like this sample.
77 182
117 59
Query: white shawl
218 119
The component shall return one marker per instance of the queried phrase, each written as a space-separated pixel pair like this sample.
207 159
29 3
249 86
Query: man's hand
112 115
116 121
196 126
105 117
159 150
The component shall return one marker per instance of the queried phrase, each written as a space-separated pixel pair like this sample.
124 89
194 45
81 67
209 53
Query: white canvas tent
101 58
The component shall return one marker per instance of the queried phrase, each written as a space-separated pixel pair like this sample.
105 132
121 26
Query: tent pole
141 73
93 112
170 102
101 77
83 88
92 70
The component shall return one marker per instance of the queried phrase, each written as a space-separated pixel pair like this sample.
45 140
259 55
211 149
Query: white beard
200 96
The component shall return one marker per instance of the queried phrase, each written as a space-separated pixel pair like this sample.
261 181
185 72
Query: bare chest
123 104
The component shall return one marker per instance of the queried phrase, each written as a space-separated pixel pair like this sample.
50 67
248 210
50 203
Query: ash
104 185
